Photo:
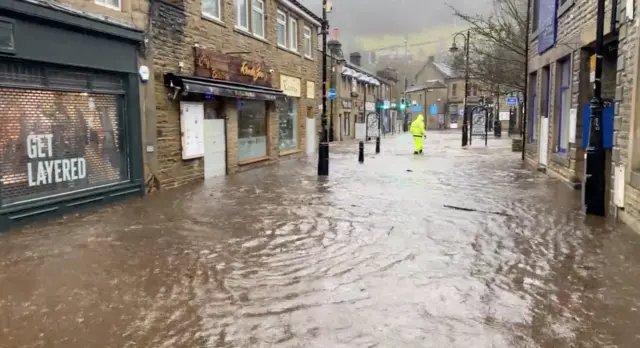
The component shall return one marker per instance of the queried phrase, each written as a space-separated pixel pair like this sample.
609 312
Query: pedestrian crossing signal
403 104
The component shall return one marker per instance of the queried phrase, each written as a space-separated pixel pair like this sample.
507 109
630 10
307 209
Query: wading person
417 130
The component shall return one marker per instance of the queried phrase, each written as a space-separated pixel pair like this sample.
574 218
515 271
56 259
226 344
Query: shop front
69 123
347 119
234 100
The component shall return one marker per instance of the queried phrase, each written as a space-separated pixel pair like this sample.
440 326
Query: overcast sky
392 17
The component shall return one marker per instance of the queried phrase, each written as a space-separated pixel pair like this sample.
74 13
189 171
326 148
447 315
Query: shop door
311 132
214 148
544 141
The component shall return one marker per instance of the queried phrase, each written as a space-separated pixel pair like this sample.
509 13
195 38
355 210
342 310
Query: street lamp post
465 117
335 49
323 147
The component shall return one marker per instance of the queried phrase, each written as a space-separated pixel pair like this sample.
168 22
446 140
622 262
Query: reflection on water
366 258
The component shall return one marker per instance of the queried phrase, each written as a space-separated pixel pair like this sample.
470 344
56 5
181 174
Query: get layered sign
44 169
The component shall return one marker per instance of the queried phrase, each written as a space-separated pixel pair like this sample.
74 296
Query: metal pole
364 113
465 117
323 148
595 178
525 101
406 83
486 126
331 125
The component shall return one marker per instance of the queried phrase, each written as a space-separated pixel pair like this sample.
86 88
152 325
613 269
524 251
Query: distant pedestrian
417 129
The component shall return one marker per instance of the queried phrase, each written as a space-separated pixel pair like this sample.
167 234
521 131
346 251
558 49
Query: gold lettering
255 72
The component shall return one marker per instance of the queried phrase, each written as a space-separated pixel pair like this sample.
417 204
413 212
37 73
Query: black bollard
378 145
361 152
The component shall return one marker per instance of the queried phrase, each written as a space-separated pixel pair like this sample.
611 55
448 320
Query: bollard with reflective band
361 152
378 145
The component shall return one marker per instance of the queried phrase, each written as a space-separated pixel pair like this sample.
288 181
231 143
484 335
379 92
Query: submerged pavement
369 257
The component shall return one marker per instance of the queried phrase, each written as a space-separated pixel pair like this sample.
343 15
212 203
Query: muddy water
369 257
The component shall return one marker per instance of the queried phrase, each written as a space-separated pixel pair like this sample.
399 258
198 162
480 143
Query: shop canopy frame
184 84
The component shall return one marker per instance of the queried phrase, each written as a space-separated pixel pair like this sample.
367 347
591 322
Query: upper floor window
211 8
112 4
307 43
454 90
535 14
293 34
253 14
257 18
474 90
281 31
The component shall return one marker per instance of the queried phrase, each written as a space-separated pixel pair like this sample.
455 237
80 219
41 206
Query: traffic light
481 101
403 104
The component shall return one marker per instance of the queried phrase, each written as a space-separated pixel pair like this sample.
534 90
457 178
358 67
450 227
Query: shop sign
346 104
311 90
220 66
370 106
48 170
290 86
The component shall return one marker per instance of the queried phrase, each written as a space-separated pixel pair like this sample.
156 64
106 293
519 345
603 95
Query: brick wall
177 26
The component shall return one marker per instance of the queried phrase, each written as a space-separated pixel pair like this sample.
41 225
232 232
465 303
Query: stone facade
576 27
179 26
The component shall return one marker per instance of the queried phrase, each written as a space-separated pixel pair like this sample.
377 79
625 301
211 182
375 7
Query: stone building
71 101
357 92
235 83
562 45
425 96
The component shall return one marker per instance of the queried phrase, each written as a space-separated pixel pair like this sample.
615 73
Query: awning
200 85
347 72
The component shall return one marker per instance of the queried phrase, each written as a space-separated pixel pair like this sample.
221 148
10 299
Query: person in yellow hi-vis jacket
417 129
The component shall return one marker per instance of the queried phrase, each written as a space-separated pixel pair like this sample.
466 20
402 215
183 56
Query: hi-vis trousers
417 143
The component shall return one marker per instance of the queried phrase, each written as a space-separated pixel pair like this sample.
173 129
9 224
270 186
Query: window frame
454 89
293 25
238 14
535 15
284 24
209 15
105 4
531 108
308 50
261 11
563 120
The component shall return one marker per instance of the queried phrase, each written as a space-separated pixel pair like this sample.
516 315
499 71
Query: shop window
211 9
307 44
281 31
6 35
252 130
257 18
55 142
289 125
113 4
531 107
564 107
293 34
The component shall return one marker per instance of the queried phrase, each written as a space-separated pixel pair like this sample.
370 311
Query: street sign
433 109
416 108
512 101
332 93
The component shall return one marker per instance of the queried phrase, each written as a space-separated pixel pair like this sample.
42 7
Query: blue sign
416 108
332 93
547 24
512 101
607 126
433 109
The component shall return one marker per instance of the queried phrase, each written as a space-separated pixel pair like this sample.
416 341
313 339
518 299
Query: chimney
354 58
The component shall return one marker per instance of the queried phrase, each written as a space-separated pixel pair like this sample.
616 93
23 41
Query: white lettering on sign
51 171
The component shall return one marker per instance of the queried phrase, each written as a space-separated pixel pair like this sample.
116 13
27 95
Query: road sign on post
433 109
332 93
512 101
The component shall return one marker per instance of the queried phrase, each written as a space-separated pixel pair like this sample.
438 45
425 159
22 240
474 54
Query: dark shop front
69 112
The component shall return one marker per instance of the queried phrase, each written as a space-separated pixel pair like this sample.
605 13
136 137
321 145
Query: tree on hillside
497 54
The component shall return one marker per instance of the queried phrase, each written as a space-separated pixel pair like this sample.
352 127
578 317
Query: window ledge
564 8
534 35
249 34
290 152
308 58
111 7
213 20
253 160
561 159
288 50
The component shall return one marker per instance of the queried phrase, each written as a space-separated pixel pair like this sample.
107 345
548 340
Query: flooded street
369 257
